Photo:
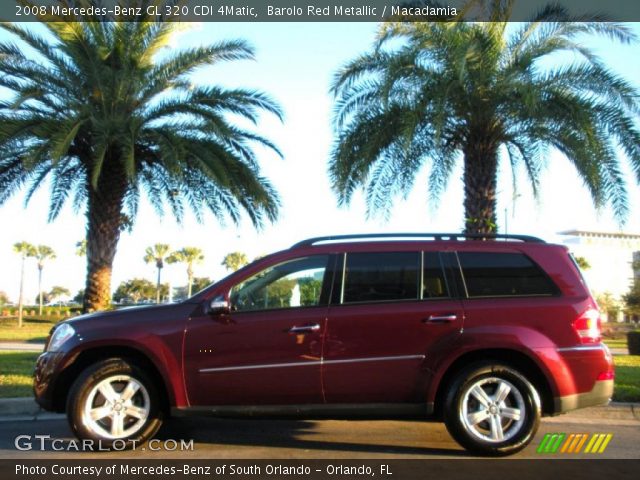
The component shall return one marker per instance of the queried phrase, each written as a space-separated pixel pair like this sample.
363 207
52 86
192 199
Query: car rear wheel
115 404
492 409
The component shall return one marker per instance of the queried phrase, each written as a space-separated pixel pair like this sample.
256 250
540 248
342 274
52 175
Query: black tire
483 437
114 372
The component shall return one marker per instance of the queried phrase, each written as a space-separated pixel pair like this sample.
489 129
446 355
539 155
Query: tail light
606 376
588 326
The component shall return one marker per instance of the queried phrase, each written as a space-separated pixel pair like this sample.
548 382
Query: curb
27 409
613 411
24 409
19 406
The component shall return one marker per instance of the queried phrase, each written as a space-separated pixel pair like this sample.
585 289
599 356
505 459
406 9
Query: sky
294 64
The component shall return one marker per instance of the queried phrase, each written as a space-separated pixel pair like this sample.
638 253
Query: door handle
305 328
452 317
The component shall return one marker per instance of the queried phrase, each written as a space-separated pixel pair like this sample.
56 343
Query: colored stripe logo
574 443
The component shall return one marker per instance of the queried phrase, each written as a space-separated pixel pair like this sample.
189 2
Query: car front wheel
114 401
492 409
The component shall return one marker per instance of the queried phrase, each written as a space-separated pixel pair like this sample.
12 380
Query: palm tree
234 261
432 93
104 118
136 290
57 291
42 254
190 256
81 251
583 263
157 254
25 250
81 248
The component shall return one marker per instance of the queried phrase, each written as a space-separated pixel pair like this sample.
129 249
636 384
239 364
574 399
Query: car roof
403 237
429 241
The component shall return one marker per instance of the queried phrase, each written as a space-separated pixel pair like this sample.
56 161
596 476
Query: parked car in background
484 333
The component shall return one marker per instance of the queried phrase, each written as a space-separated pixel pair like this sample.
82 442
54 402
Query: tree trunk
39 290
158 286
21 297
104 219
480 179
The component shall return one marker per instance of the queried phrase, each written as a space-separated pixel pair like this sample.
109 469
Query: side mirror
217 306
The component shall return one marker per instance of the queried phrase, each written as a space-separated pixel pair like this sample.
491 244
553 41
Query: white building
610 256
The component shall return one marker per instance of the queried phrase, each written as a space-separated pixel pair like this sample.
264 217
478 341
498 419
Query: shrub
633 342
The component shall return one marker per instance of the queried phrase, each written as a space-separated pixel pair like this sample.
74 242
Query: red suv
487 334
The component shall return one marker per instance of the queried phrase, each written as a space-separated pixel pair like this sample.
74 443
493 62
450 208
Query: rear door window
488 274
434 283
381 277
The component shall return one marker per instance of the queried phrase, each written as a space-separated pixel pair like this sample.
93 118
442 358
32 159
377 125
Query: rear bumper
587 378
599 395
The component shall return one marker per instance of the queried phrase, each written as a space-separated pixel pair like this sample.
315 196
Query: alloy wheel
117 407
493 410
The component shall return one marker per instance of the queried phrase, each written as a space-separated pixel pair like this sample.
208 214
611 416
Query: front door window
293 284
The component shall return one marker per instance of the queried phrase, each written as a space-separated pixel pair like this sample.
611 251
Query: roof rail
431 236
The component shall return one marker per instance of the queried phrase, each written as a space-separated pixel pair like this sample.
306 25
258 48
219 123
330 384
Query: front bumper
44 379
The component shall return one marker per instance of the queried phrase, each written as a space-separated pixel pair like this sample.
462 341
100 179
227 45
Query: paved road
22 346
284 439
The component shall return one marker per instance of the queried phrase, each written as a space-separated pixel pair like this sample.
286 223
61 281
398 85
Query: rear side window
503 275
380 277
434 284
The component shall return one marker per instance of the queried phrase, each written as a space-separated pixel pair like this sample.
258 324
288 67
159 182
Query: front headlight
60 335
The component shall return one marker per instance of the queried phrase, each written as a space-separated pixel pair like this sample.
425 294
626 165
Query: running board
418 411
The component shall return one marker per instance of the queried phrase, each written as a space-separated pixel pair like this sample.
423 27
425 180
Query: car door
394 309
267 349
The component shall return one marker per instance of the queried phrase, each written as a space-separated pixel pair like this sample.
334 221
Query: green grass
616 342
16 370
34 329
627 383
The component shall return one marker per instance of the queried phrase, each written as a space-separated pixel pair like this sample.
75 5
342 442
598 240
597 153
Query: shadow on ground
297 434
